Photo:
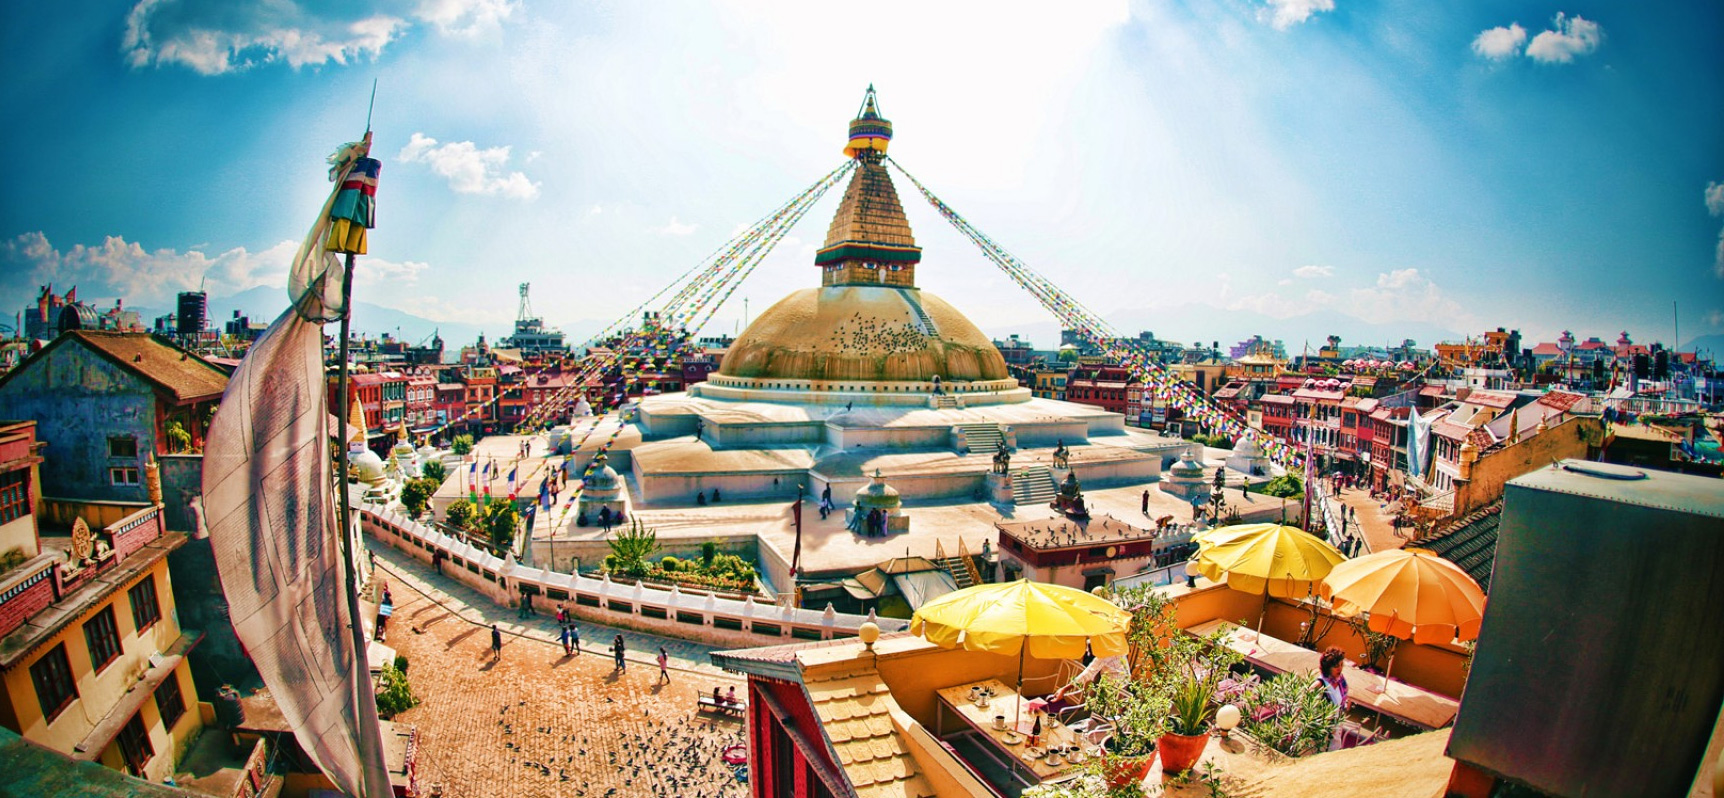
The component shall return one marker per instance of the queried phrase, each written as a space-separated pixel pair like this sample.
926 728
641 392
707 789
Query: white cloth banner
269 506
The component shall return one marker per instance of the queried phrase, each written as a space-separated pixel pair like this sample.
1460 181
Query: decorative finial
869 131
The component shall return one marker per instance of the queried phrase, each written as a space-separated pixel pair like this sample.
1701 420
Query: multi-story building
421 404
1050 383
1100 386
92 657
1015 350
109 402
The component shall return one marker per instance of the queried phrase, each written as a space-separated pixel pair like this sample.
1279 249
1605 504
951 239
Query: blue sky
1544 165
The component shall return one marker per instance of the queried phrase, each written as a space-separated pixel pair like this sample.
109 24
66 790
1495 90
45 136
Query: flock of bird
673 757
872 335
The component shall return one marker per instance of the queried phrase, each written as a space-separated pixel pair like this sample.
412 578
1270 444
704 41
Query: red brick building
1100 386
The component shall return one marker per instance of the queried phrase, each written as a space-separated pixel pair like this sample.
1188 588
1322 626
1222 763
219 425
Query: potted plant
1133 714
1191 714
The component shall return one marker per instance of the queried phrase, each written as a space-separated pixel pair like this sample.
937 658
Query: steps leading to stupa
922 317
1033 485
981 437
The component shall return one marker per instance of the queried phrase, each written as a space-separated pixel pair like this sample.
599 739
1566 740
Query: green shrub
460 514
462 444
434 470
1303 720
401 663
416 494
394 696
670 563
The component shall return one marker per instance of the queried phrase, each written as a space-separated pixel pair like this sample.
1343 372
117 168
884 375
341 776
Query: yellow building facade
92 656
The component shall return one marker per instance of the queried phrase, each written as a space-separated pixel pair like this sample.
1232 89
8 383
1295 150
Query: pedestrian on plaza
437 561
496 643
663 665
563 637
575 636
619 649
1146 502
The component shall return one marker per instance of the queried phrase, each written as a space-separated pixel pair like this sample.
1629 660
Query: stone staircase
1033 485
922 318
961 567
946 402
981 437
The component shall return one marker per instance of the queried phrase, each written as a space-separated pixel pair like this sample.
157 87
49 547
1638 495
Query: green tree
179 440
1287 486
460 514
393 693
434 470
462 444
633 547
417 493
500 523
708 551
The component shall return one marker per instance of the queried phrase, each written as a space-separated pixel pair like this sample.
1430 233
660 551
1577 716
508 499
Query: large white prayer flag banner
269 502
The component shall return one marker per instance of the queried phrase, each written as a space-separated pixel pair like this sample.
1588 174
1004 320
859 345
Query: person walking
496 643
563 637
619 649
1146 503
575 636
663 665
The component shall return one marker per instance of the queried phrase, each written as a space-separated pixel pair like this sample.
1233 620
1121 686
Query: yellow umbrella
1412 594
1281 561
1051 621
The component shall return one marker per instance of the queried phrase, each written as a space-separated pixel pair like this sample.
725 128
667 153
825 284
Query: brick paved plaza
537 723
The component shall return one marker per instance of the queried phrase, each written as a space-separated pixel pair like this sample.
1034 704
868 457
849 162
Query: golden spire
869 241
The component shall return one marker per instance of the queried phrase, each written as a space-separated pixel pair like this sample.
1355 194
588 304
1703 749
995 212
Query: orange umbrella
1412 594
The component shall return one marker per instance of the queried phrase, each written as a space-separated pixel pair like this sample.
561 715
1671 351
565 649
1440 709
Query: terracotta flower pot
1179 752
1123 770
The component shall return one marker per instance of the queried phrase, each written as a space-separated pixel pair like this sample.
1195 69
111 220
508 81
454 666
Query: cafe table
955 702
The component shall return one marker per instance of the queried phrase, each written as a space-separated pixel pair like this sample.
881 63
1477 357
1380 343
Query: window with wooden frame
145 609
123 446
14 495
170 701
103 637
134 740
55 687
123 476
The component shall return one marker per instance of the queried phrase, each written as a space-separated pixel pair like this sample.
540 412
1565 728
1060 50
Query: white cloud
1403 295
1313 272
1715 198
1284 14
465 17
1718 258
469 169
1500 43
120 268
125 269
212 39
1568 37
1715 317
676 228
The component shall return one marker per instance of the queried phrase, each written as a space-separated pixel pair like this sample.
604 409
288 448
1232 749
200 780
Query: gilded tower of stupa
867 329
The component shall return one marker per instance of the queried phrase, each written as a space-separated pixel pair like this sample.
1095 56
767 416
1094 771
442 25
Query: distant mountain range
1191 323
1706 345
263 303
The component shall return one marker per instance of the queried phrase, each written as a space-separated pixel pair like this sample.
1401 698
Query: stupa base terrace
697 469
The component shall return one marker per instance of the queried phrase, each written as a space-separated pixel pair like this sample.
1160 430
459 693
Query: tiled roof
170 368
1561 400
1490 399
1451 430
855 710
1471 542
1547 349
1431 390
